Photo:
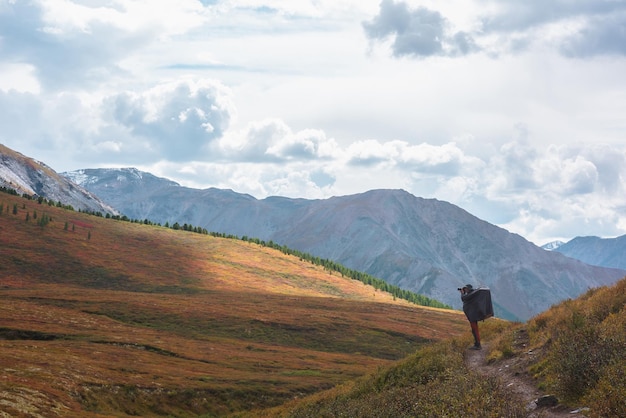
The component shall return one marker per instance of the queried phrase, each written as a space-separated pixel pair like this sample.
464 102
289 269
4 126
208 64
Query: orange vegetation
131 319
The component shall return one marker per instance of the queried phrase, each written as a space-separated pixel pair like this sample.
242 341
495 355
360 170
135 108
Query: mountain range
427 246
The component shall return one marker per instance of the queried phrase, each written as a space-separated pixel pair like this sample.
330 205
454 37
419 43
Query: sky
514 111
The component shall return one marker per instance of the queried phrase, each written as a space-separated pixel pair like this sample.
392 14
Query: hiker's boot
476 347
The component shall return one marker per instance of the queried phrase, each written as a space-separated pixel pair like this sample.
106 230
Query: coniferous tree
44 220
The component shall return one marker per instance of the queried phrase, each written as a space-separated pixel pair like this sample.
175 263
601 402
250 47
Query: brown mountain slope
101 317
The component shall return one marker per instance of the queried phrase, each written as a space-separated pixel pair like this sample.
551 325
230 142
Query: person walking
477 306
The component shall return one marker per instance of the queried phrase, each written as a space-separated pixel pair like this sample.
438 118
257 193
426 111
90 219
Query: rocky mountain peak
31 177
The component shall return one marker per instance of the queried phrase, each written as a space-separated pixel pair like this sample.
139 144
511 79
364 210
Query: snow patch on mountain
551 246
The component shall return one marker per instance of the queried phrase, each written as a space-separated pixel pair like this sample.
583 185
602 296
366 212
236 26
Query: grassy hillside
574 351
100 317
580 350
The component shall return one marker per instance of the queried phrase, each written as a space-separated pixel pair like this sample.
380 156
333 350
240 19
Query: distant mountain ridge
423 245
28 176
606 252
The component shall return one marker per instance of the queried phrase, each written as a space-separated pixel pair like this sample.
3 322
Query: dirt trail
513 375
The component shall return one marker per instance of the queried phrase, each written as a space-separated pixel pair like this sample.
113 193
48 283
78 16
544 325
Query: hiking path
513 375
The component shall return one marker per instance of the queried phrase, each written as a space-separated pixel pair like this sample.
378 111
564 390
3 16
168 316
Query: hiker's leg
475 333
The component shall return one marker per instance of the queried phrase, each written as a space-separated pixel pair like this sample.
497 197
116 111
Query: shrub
608 397
574 362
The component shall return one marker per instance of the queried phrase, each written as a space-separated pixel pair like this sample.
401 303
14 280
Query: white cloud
418 32
67 16
271 140
18 77
579 176
179 119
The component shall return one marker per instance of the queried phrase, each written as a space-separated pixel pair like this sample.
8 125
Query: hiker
477 307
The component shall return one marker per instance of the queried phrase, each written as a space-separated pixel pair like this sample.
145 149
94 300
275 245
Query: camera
460 289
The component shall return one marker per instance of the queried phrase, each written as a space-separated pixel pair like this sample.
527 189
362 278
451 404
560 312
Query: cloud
304 145
63 56
576 29
579 176
272 140
419 32
601 36
75 44
573 188
609 163
20 115
445 159
179 120
512 15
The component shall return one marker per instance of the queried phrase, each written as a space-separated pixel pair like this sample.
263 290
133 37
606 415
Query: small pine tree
65 226
27 216
44 220
89 235
15 209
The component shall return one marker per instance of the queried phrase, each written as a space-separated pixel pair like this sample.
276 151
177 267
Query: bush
574 362
608 397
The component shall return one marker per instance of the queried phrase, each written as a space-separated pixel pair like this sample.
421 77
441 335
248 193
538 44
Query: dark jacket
477 304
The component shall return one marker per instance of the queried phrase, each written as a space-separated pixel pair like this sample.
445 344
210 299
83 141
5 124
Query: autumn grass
575 350
583 342
432 382
102 317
